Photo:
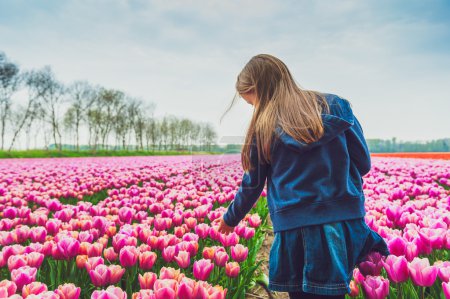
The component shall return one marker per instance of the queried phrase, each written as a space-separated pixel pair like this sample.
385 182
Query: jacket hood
337 121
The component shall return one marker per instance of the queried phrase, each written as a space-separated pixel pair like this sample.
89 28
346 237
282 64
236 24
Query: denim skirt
320 259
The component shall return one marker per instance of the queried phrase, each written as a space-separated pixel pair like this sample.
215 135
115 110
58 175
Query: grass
98 153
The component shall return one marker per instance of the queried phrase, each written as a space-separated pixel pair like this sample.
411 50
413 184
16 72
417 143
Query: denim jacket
313 183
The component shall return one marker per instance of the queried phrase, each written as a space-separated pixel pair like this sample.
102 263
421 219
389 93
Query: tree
82 96
9 84
49 93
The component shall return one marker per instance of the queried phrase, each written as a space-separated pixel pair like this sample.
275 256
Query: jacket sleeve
251 187
357 148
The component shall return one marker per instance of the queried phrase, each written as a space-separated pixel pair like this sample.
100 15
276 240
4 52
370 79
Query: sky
390 59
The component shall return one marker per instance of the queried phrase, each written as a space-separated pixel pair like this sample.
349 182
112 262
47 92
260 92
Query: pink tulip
397 246
354 290
232 269
33 288
208 253
100 276
444 273
68 291
116 273
168 253
183 259
126 214
165 288
221 258
396 268
187 289
128 256
67 247
9 287
38 234
375 287
93 262
229 240
421 273
109 254
17 261
254 220
147 280
147 259
248 233
144 294
202 230
35 259
169 273
111 292
446 289
202 269
23 276
44 295
239 253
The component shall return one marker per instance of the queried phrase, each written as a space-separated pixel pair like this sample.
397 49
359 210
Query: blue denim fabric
320 259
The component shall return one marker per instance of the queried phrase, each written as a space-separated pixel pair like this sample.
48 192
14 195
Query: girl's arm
249 191
357 148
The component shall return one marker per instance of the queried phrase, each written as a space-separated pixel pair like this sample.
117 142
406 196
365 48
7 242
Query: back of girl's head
281 103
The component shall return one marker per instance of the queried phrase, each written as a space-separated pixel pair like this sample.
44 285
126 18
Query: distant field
99 153
435 155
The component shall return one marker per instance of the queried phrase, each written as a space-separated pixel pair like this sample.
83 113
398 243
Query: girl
311 149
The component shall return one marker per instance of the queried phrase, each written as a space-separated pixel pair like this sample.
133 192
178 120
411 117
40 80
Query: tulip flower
239 253
9 287
44 295
67 247
187 289
375 287
202 269
169 273
183 259
221 258
372 264
232 269
116 273
17 261
354 290
23 276
168 253
128 256
147 259
147 280
254 220
68 291
396 268
100 276
165 288
446 289
34 288
421 273
35 259
109 254
93 262
111 292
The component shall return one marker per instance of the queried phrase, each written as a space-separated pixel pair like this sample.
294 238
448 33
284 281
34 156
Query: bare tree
9 84
50 93
82 96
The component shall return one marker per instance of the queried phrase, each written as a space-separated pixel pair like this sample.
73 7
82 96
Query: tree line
392 145
106 118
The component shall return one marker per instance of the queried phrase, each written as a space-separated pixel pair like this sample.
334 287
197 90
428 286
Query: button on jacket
309 184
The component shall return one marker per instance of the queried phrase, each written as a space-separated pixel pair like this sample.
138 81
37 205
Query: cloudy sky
391 59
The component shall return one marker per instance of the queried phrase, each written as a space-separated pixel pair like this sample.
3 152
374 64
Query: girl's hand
225 228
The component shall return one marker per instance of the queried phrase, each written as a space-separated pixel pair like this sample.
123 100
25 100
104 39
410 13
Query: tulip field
146 227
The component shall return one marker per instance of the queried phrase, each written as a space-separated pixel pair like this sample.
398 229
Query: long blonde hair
281 102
